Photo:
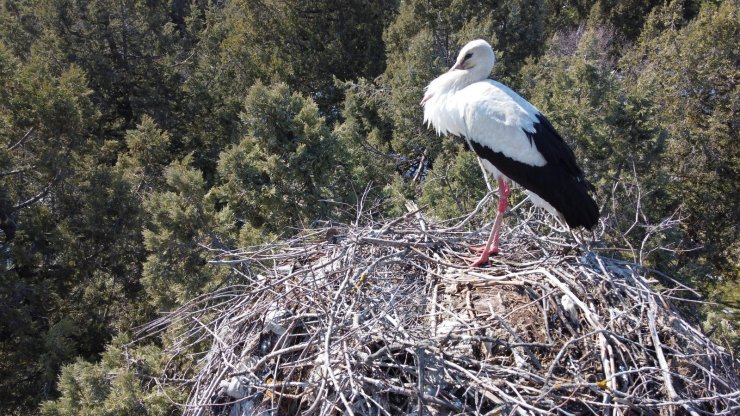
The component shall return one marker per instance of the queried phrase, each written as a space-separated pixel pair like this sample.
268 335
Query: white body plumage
487 112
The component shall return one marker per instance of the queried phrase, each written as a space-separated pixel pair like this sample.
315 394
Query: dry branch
387 319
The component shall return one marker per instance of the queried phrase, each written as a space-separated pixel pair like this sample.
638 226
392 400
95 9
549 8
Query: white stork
511 137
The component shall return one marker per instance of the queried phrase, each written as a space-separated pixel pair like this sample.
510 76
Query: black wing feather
560 182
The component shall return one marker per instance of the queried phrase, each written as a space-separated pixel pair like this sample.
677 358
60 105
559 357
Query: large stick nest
388 318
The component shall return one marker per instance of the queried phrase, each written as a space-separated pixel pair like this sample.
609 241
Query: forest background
135 136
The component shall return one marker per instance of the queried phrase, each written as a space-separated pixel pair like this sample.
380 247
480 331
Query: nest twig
387 319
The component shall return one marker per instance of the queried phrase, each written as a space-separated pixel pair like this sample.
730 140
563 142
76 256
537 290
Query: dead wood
387 318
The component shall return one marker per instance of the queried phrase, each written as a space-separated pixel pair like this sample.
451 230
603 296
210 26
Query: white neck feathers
440 109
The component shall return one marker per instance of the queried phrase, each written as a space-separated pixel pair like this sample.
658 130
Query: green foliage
692 73
178 227
112 387
279 174
303 44
627 17
453 187
64 264
148 153
565 15
364 134
138 138
129 52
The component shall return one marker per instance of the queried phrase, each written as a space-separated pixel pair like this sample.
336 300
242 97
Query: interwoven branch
388 319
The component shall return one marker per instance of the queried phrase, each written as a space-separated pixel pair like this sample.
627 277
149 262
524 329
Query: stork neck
460 79
447 84
440 108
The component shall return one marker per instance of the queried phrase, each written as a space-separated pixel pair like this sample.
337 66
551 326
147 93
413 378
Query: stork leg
491 246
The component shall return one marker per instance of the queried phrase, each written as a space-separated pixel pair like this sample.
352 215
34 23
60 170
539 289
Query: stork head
474 63
477 57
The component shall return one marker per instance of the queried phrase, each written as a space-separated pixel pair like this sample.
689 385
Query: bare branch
23 139
385 318
38 196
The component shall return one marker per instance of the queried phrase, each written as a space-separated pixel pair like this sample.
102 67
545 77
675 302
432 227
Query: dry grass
386 318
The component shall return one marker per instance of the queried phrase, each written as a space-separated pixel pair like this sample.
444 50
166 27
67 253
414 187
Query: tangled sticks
388 319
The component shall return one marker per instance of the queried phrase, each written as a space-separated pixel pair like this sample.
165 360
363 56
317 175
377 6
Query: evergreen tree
73 260
137 138
287 165
303 44
453 186
113 387
178 229
364 136
130 51
690 68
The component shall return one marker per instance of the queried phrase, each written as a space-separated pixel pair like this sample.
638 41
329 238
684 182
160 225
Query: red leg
491 246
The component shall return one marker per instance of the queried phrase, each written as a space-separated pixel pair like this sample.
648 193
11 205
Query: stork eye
468 56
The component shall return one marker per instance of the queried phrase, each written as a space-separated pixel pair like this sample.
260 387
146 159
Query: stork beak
456 67
424 101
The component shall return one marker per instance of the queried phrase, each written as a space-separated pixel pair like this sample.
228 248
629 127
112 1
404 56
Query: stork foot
482 261
484 257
